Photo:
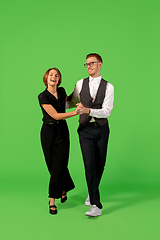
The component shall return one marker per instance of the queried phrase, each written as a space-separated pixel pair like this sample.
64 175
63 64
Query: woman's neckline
53 94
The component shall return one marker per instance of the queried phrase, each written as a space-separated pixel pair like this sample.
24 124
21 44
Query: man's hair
95 55
45 77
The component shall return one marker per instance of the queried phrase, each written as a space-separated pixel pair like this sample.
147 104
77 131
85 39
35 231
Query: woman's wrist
75 112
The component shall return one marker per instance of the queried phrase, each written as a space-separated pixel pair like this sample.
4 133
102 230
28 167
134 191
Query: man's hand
81 109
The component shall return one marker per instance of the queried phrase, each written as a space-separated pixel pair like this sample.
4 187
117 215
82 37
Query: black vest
86 100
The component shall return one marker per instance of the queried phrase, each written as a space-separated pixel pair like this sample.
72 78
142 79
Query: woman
55 137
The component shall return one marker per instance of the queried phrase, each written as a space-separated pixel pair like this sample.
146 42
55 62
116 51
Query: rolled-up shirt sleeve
107 105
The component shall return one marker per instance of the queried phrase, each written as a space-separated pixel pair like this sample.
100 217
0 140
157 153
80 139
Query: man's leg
88 147
101 150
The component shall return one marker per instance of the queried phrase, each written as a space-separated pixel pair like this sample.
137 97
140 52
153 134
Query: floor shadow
135 196
122 197
72 201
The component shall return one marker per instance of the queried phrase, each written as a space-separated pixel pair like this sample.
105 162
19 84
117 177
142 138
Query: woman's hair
45 77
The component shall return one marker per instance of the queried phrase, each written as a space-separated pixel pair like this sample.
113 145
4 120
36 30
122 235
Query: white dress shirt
107 105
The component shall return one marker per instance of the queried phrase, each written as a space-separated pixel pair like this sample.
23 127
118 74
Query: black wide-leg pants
93 141
55 145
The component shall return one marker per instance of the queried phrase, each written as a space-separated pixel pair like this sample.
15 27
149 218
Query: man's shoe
87 202
94 211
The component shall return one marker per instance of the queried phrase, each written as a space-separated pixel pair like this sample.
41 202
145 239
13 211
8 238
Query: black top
47 98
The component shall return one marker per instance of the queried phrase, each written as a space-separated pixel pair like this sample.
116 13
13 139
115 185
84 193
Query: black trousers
93 141
55 145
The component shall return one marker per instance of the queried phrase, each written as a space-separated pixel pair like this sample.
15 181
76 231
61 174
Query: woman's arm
54 114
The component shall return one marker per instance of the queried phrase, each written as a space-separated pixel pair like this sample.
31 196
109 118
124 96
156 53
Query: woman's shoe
65 198
51 211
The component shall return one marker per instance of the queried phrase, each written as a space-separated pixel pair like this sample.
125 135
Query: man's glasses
90 64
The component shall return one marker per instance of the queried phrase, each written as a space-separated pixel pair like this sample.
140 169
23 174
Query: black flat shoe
52 211
65 198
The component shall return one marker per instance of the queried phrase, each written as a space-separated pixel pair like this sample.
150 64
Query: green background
37 35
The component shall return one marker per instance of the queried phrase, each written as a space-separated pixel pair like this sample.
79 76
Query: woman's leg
52 203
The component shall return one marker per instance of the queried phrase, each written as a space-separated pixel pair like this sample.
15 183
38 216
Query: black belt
93 124
55 122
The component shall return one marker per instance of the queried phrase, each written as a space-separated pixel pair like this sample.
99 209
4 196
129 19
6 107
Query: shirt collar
95 79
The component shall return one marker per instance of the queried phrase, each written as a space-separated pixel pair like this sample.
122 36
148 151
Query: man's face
94 67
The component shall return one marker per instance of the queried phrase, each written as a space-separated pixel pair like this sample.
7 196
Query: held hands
81 109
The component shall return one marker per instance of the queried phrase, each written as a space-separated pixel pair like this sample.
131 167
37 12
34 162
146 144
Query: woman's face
53 77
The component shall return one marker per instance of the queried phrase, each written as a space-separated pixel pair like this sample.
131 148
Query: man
96 98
